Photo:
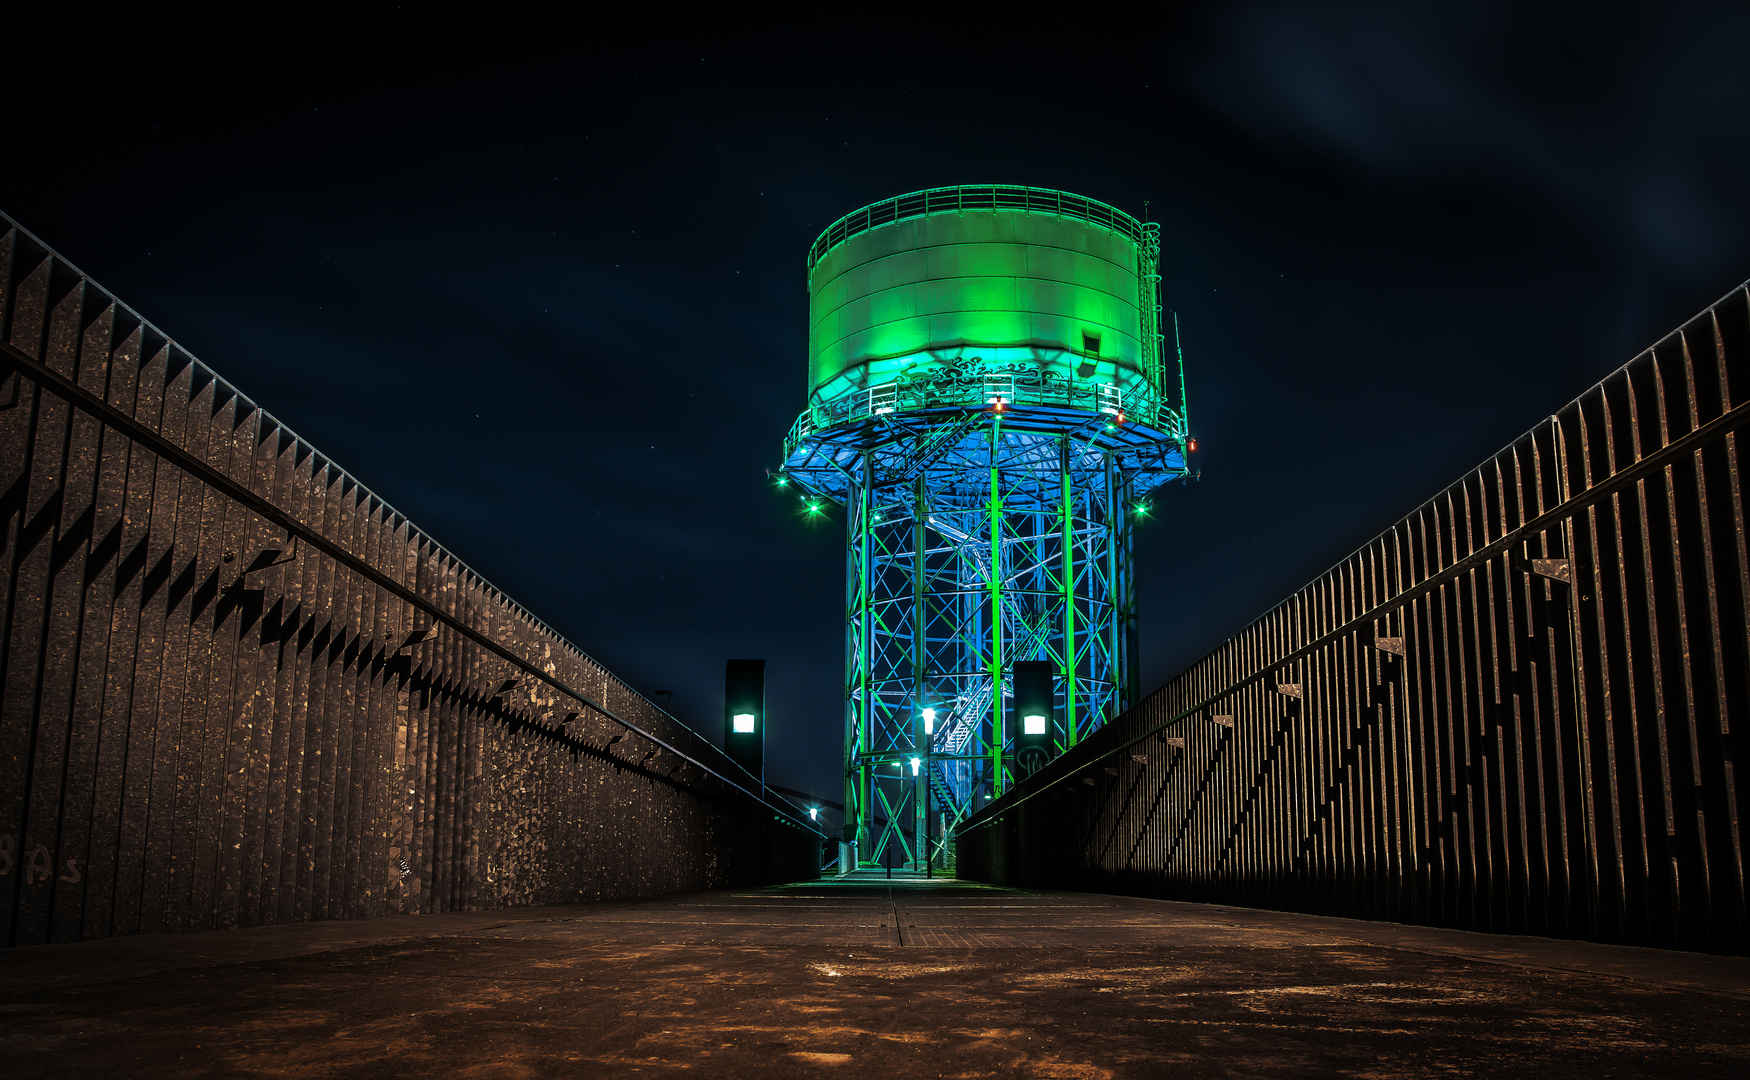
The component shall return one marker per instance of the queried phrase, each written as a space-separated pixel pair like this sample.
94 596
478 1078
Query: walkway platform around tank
859 975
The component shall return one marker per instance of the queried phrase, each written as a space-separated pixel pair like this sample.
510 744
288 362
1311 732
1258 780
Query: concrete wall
1521 709
236 688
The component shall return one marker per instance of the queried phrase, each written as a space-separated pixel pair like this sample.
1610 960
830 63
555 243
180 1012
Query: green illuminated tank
922 300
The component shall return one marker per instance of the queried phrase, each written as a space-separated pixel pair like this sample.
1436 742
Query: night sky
542 288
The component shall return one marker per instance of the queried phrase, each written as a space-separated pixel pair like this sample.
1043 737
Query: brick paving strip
912 977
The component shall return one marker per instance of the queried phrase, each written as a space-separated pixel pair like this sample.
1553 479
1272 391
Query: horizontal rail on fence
1712 431
142 434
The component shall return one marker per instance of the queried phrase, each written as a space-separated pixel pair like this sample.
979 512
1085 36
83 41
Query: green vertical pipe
1069 602
996 613
864 661
921 743
1127 576
1115 627
852 828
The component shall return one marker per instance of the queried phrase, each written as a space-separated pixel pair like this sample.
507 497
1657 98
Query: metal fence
1517 710
237 688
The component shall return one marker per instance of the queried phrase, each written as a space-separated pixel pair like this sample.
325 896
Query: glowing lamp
915 764
1032 725
929 721
743 723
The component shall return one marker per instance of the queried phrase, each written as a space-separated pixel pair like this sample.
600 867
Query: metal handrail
258 504
240 492
963 197
416 537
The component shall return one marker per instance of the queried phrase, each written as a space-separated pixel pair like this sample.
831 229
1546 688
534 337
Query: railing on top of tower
946 200
1137 403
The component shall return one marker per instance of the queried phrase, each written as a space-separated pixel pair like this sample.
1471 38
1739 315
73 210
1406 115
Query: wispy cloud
1629 125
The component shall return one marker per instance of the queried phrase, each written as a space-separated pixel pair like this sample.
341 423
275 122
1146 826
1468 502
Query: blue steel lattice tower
991 403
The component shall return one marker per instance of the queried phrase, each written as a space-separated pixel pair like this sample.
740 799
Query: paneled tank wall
236 688
1519 709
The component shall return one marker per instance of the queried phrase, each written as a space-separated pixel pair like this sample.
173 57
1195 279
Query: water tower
991 401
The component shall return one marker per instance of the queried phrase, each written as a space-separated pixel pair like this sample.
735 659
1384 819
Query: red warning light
1191 446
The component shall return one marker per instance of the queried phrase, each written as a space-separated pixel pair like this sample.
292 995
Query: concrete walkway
852 976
